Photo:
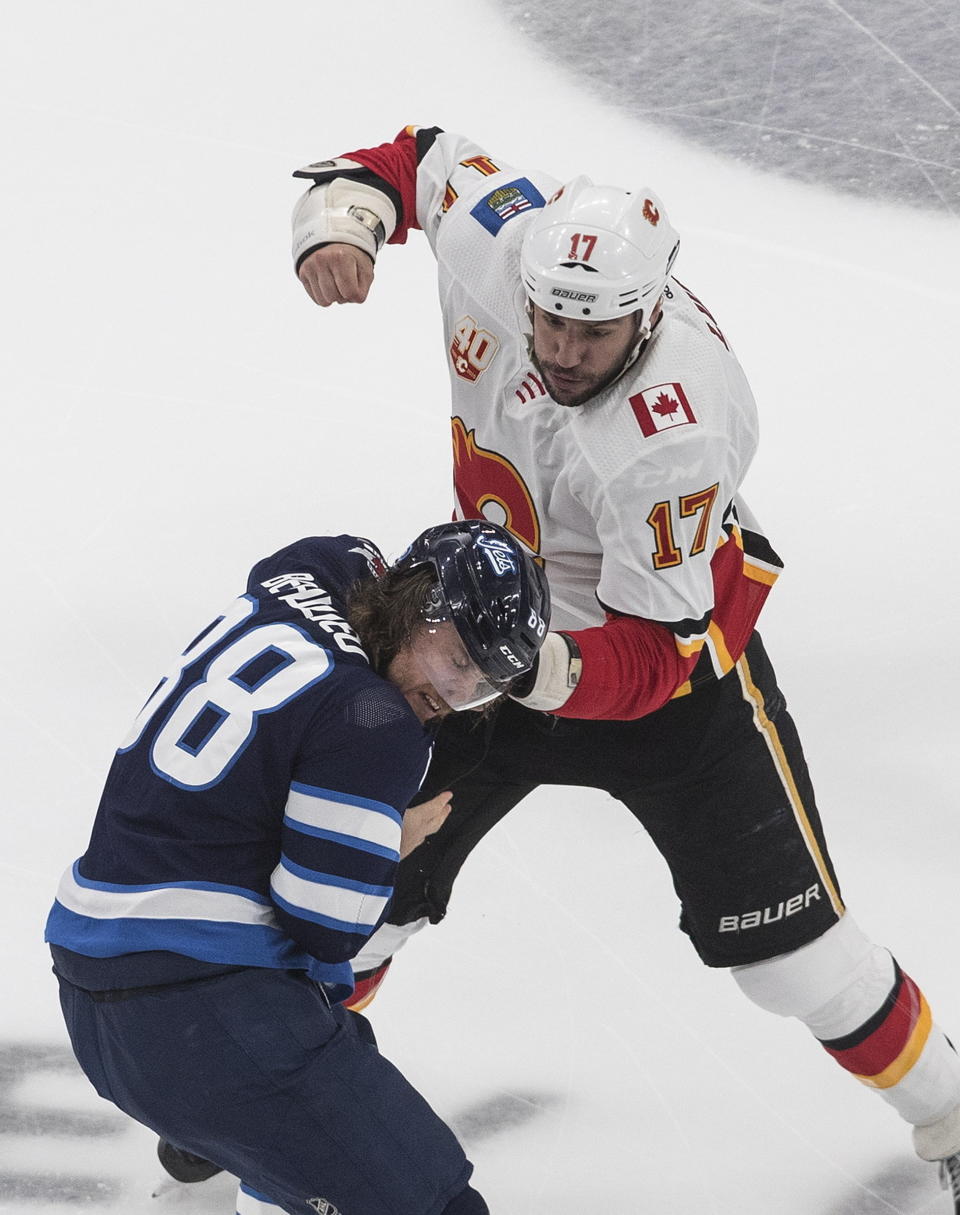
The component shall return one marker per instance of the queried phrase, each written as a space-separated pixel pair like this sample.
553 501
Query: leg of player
865 1011
874 1020
250 1202
749 858
185 1167
255 1071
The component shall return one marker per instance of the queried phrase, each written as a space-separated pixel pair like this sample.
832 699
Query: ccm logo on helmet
512 658
578 297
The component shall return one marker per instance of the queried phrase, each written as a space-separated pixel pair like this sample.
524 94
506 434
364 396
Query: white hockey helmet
594 253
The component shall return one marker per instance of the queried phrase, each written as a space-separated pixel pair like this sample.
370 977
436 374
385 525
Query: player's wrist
342 212
555 676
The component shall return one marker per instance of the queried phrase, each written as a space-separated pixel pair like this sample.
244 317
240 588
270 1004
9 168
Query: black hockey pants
717 778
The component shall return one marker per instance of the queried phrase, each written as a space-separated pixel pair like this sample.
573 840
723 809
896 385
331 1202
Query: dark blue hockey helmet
492 591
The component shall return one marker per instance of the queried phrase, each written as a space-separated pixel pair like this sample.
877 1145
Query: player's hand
337 274
423 820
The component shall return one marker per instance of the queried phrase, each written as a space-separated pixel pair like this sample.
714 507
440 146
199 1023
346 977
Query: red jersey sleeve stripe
396 164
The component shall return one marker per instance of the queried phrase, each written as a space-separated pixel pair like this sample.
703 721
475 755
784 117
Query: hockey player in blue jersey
245 849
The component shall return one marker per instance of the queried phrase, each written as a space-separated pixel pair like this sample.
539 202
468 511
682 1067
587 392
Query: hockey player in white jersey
600 414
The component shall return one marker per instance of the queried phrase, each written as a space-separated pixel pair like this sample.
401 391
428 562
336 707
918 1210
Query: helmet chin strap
643 336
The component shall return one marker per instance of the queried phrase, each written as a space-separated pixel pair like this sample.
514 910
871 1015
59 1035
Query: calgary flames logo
650 212
489 487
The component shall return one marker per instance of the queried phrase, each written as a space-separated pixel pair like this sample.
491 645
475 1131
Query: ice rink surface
863 94
174 408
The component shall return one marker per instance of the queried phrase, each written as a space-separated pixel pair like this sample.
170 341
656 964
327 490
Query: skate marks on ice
499 1113
904 1187
57 1138
860 94
62 1147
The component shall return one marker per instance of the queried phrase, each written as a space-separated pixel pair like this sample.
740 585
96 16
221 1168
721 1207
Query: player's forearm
364 198
335 875
394 167
343 210
622 670
328 916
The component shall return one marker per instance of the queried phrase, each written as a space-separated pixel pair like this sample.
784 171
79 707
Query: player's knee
467 1202
833 985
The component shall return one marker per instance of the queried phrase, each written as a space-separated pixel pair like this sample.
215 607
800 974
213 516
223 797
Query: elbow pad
342 211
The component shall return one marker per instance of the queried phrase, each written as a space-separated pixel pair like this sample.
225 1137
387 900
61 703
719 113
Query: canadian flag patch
661 408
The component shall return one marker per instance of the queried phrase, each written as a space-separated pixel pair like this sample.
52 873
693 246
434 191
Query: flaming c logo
650 212
483 480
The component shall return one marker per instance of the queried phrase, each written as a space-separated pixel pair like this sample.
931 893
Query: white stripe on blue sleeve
172 901
357 822
335 902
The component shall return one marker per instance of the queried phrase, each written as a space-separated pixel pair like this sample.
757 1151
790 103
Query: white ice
174 408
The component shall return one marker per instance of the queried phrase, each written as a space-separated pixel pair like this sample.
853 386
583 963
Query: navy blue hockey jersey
252 815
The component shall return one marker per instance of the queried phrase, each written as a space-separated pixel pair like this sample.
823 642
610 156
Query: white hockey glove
341 211
554 676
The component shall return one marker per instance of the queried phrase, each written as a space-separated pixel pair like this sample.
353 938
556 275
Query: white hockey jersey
631 499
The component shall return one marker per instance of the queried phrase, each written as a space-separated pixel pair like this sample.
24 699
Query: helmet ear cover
490 588
595 253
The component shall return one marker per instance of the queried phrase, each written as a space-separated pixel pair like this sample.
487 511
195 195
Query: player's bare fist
337 274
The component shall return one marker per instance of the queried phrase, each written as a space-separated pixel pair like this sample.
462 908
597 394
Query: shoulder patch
472 349
661 407
506 203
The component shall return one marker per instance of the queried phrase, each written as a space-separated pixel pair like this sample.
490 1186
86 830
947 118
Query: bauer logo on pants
771 915
661 408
